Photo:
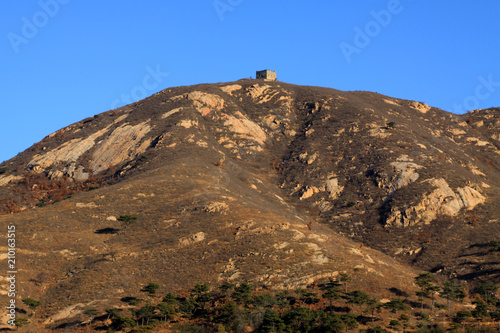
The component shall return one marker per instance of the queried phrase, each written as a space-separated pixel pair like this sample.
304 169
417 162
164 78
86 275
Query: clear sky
65 60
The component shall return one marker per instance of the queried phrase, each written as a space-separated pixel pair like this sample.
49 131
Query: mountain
264 182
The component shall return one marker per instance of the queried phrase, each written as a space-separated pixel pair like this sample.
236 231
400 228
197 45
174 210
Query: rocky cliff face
255 181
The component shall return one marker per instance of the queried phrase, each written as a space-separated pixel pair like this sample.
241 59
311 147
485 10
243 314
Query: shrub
439 306
495 315
494 246
404 318
438 329
227 313
461 315
133 301
350 320
481 309
265 300
150 288
191 328
376 329
487 290
331 322
425 316
188 307
127 218
431 329
272 322
42 203
90 312
299 319
170 299
242 293
31 303
394 323
122 322
166 310
112 312
20 322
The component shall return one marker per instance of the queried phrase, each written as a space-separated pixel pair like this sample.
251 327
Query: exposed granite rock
231 88
443 200
244 128
333 188
422 107
123 144
4 180
206 103
67 152
195 238
405 173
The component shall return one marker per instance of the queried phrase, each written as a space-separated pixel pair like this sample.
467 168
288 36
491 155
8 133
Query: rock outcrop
333 188
4 180
422 107
67 152
123 144
405 173
205 103
443 200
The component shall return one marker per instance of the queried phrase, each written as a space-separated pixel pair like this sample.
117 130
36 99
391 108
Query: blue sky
65 60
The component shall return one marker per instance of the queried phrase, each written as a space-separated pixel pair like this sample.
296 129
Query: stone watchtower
267 75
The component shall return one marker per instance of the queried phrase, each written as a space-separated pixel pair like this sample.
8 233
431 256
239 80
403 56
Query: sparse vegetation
127 218
452 291
427 288
205 309
41 203
494 246
20 322
487 291
150 288
345 279
33 187
32 304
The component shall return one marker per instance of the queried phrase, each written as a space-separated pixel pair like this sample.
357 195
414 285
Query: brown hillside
266 182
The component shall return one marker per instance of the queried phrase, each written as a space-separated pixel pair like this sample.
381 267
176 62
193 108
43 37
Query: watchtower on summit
266 75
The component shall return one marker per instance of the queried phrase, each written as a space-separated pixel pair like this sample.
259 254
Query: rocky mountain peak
267 182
